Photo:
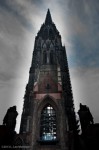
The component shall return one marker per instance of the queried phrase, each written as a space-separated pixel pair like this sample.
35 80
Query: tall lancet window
52 57
48 124
44 57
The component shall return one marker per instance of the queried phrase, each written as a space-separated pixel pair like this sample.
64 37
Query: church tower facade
48 117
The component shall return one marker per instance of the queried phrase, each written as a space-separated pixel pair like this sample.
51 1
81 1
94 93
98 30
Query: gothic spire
48 19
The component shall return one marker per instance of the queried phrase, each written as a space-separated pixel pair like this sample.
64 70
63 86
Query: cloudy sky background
78 24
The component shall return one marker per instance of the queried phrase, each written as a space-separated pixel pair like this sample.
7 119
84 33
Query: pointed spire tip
48 19
48 10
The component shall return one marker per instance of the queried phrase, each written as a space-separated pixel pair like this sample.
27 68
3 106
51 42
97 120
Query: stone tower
48 118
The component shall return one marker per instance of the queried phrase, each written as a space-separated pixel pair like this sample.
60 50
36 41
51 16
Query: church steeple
48 116
48 19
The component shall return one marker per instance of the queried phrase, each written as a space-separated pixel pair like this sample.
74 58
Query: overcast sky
78 24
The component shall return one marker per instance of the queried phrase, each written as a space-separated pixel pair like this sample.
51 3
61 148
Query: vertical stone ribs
48 77
67 92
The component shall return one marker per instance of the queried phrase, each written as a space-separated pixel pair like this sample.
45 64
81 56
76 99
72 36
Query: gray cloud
85 82
78 24
15 50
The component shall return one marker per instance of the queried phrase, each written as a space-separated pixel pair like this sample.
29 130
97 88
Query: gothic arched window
48 124
44 57
51 57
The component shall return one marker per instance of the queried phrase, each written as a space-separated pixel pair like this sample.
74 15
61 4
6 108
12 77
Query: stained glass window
48 124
